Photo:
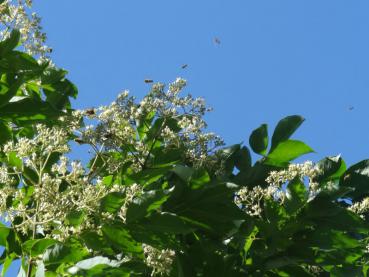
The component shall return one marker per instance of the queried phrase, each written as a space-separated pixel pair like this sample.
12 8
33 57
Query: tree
161 196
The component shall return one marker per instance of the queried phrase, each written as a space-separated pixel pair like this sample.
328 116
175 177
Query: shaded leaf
121 238
284 129
259 139
112 202
331 168
357 178
75 218
36 247
147 202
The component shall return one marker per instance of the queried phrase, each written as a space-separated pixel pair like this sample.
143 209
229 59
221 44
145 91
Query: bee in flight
90 111
217 40
79 141
148 81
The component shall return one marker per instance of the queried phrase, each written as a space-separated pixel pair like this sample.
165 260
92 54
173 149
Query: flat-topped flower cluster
41 187
17 14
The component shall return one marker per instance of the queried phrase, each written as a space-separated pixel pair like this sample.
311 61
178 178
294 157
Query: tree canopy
161 196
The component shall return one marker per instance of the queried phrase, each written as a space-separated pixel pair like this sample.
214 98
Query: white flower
19 16
159 260
361 207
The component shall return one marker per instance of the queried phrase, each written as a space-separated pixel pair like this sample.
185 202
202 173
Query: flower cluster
52 196
16 14
307 169
56 192
126 123
360 208
159 260
36 151
251 200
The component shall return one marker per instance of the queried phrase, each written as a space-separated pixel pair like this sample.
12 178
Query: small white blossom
159 260
361 207
16 14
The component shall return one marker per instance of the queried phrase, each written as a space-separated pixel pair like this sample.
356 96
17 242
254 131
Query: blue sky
275 58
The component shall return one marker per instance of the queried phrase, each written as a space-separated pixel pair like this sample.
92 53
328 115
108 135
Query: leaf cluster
189 210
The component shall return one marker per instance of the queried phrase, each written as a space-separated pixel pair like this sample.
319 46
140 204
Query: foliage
160 197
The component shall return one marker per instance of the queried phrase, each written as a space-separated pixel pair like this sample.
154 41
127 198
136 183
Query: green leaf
211 206
37 247
243 159
112 202
357 178
259 139
143 125
249 240
228 155
4 232
284 129
144 204
296 195
324 212
14 161
287 151
5 133
9 91
75 218
91 263
96 242
199 178
166 223
331 168
196 178
10 43
27 109
165 157
155 129
121 238
147 176
70 252
22 65
183 172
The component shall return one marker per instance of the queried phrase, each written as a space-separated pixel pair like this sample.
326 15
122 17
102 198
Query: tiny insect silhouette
108 135
148 81
90 111
217 40
184 66
79 141
351 108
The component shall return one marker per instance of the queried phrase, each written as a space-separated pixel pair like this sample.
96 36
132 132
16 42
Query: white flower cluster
251 200
130 193
73 121
66 188
314 270
55 193
159 260
307 169
360 208
118 125
36 151
16 14
5 176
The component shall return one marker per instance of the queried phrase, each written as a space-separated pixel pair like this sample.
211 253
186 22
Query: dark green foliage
189 210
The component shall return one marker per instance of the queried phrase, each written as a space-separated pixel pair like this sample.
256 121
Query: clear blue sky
276 58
